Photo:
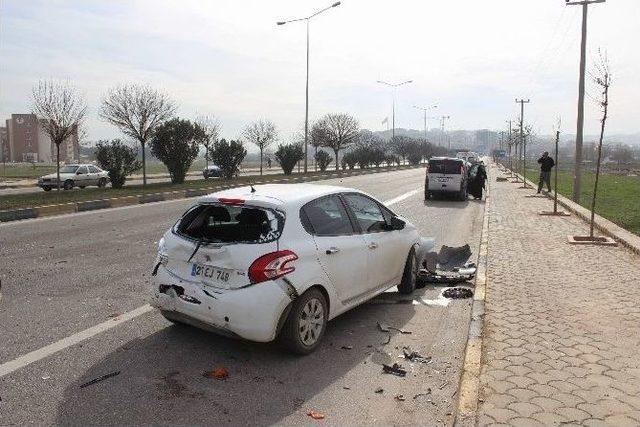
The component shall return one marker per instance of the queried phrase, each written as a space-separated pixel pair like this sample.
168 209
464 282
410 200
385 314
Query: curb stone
115 202
469 386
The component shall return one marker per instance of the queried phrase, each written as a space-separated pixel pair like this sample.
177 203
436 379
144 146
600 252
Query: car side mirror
397 223
78 173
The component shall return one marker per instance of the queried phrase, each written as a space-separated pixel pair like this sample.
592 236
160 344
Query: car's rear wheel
46 188
68 185
408 283
306 323
81 186
463 194
102 182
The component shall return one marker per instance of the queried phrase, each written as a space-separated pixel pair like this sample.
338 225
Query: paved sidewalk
562 325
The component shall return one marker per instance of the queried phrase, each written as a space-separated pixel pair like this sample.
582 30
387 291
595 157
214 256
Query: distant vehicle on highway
212 171
468 156
446 175
280 260
75 175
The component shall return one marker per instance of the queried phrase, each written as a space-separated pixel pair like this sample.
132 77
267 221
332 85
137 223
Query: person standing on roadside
546 163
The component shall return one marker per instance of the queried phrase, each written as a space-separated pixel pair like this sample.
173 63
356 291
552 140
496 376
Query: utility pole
577 171
442 119
523 145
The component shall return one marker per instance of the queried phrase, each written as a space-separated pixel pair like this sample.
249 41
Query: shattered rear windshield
449 167
231 224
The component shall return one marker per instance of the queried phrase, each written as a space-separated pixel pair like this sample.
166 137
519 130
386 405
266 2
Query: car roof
277 194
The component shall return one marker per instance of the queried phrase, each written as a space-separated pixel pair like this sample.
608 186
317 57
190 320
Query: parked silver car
76 175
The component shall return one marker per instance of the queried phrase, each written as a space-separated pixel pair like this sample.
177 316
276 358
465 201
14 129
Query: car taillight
271 266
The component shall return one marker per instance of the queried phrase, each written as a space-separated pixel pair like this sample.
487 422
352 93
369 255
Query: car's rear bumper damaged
220 310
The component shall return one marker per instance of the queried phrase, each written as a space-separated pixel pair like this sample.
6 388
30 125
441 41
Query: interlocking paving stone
562 322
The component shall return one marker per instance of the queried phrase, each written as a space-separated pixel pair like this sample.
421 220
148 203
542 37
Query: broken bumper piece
450 265
222 311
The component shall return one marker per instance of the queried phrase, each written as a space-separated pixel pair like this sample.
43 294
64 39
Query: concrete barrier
117 202
61 209
18 214
150 198
93 205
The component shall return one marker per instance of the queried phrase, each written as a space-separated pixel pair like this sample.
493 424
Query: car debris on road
102 378
394 369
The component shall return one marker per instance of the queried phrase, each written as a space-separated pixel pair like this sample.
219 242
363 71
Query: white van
446 175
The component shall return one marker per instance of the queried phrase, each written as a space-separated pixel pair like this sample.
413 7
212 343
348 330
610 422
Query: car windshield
446 166
69 169
231 224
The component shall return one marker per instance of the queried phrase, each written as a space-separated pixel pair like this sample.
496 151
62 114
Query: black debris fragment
414 356
457 293
102 378
379 390
347 347
426 393
395 369
387 328
400 397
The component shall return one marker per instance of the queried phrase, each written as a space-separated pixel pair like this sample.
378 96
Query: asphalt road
63 275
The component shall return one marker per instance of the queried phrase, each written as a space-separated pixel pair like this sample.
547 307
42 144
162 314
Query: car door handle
373 245
332 250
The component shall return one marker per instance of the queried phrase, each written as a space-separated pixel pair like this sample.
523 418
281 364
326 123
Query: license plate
210 272
444 179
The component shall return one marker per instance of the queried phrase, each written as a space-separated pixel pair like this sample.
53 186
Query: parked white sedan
280 260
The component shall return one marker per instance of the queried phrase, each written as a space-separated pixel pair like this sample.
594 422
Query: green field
618 197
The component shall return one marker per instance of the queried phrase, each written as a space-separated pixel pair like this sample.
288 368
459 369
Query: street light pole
393 106
306 102
577 172
424 110
442 119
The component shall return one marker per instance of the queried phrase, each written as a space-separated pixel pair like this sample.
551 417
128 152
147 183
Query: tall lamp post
424 110
306 102
442 119
393 107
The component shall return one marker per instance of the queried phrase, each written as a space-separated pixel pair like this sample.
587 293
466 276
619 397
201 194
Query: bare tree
212 128
63 109
137 110
341 130
602 78
262 133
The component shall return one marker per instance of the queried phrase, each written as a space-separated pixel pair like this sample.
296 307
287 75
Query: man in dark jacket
546 163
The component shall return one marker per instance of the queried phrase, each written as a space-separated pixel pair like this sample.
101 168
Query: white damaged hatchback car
280 260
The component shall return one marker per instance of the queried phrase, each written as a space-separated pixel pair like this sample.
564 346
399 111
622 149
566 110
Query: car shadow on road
446 203
161 375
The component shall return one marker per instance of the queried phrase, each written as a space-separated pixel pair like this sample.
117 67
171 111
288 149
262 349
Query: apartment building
26 141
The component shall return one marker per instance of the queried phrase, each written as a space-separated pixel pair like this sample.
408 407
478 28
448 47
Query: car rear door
93 175
387 249
82 177
342 252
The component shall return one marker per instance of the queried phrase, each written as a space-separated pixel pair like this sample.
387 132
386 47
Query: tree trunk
144 166
261 150
315 160
337 164
595 185
58 166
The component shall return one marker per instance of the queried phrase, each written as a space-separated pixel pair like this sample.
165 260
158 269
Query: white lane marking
34 356
401 197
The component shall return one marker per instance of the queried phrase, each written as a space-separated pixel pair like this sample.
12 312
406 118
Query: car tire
102 182
81 186
299 335
68 185
46 188
428 195
409 275
463 195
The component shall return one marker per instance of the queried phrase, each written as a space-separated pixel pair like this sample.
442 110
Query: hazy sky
228 58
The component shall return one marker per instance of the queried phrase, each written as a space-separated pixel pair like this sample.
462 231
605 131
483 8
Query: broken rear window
449 167
231 224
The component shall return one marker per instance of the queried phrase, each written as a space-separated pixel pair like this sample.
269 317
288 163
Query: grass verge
618 197
30 200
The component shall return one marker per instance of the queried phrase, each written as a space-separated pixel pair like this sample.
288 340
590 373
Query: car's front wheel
408 283
102 182
68 185
306 323
46 188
